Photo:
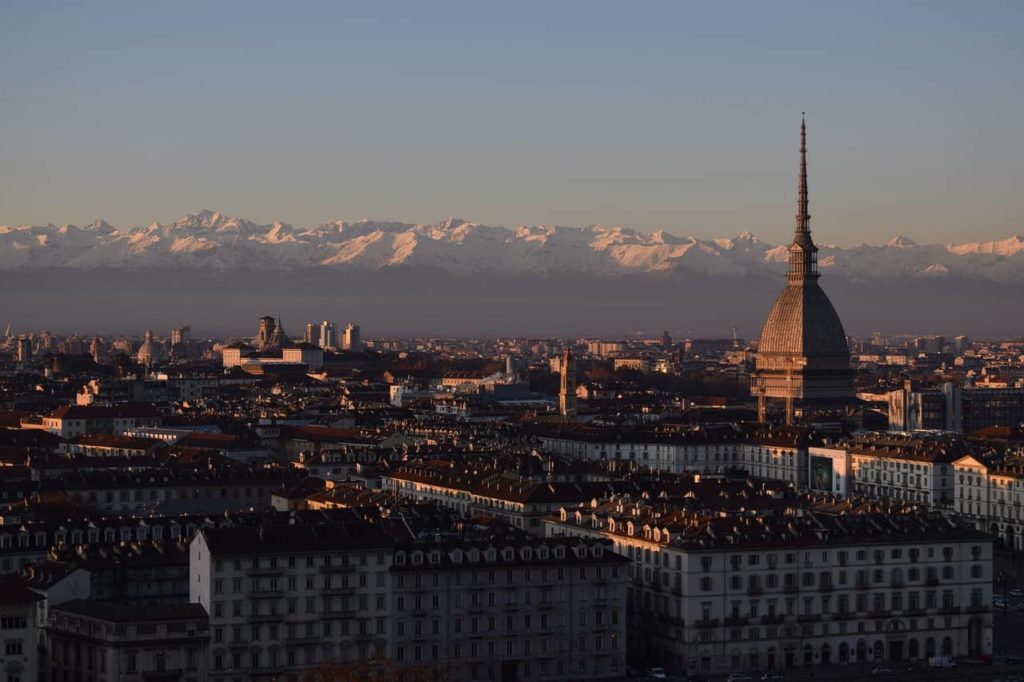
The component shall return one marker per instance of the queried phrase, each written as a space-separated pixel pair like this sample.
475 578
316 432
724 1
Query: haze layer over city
718 375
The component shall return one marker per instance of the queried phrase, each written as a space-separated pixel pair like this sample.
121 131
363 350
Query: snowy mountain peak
213 241
901 242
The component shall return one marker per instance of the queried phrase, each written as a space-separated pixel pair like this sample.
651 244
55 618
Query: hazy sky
675 115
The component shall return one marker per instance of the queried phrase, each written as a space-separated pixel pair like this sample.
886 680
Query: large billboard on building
821 473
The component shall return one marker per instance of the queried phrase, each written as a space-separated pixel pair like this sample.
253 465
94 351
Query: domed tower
802 355
148 352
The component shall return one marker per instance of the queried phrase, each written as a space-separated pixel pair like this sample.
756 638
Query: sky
681 116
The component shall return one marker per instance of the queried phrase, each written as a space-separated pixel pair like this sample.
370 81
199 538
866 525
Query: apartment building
472 487
68 421
281 599
989 493
889 466
21 611
537 609
776 452
712 592
97 642
176 490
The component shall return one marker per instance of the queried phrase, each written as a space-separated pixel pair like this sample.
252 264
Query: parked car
740 677
879 670
941 662
1017 593
657 673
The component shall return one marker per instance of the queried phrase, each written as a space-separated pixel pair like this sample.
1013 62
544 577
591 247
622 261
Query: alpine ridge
209 239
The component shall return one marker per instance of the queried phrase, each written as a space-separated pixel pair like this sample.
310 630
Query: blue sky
678 116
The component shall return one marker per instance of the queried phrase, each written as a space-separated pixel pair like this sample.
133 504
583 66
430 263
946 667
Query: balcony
790 589
897 582
706 623
932 582
337 569
914 612
808 618
977 609
845 615
772 620
162 675
949 611
826 587
736 621
755 589
879 613
335 591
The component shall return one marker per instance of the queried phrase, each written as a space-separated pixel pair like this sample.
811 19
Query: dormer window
400 559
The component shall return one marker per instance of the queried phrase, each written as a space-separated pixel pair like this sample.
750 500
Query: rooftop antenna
735 341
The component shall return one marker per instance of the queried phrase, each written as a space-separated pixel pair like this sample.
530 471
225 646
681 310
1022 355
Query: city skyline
626 414
673 118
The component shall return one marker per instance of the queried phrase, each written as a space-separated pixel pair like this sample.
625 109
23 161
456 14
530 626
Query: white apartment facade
712 594
990 495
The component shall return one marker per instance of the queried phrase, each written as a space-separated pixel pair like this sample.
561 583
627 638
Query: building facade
712 593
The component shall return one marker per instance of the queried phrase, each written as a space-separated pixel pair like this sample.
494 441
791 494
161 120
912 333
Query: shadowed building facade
802 356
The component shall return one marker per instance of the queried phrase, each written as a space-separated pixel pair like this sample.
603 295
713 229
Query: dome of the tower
803 323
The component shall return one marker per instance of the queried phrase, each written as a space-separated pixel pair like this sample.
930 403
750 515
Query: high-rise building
567 388
24 349
312 336
328 337
351 339
803 354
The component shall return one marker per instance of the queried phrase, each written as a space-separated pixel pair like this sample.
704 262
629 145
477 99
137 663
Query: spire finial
803 216
802 253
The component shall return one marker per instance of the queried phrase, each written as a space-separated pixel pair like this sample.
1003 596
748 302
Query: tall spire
803 254
803 216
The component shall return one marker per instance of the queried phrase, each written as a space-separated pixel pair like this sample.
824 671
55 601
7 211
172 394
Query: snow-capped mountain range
210 240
